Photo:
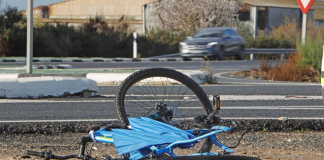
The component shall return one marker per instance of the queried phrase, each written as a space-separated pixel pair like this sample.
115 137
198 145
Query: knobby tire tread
211 157
158 72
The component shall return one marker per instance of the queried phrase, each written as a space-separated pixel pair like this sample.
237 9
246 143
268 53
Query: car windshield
208 33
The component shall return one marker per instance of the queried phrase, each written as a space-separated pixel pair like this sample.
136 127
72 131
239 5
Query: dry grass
283 71
3 44
290 71
288 29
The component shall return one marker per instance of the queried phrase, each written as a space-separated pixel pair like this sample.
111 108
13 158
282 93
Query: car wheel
241 54
220 56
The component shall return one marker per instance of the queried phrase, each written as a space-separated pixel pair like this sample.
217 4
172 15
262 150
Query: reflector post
216 102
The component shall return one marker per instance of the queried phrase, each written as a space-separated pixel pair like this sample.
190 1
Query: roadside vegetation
98 39
303 66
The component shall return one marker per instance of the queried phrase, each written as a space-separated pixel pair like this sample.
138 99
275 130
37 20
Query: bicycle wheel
144 92
213 157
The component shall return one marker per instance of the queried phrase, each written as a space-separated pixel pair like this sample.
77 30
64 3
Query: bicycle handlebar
119 125
49 155
34 153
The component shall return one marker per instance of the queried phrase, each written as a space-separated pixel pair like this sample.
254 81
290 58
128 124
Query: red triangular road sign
305 5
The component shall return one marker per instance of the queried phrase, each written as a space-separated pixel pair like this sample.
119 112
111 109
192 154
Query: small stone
87 94
291 140
283 118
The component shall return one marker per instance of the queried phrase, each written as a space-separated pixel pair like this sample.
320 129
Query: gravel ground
265 145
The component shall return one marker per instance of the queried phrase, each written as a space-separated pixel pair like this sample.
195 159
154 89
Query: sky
22 4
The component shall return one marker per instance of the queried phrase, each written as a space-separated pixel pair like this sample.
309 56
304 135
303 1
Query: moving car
213 42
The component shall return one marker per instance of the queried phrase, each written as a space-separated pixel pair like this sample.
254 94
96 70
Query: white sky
22 4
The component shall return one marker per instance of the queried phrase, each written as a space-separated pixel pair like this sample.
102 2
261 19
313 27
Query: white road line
274 118
260 82
264 108
266 97
67 120
107 120
239 97
188 98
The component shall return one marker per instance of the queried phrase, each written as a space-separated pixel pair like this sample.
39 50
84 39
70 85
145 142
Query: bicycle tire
137 77
211 157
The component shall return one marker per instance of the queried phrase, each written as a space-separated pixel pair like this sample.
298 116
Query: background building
140 13
269 17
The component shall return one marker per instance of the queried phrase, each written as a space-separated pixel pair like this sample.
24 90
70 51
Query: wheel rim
220 56
241 55
141 99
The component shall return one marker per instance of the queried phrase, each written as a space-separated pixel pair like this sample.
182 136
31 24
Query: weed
265 129
139 56
209 78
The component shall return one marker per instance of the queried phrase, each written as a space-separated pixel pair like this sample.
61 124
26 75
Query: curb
85 126
108 78
117 78
62 66
61 85
39 87
107 60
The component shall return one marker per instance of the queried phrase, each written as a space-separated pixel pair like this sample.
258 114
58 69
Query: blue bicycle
148 104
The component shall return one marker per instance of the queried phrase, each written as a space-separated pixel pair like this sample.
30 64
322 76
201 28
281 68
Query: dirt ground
264 145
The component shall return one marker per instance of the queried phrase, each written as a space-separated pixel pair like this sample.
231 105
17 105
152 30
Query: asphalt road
245 89
104 107
217 66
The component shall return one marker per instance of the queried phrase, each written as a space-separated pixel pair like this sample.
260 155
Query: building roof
58 2
318 4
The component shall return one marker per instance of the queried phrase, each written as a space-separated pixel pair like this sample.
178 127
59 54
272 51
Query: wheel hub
175 117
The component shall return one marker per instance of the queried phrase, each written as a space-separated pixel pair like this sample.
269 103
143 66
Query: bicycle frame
158 150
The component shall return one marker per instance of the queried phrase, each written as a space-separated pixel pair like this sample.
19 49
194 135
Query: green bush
265 41
98 39
311 52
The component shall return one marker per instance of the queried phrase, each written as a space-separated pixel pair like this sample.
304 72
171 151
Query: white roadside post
304 28
322 74
282 57
135 46
30 37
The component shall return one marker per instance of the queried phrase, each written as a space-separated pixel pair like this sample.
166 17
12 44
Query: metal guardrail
167 55
250 51
269 51
283 52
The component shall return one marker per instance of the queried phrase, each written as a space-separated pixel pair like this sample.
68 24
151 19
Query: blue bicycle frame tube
212 135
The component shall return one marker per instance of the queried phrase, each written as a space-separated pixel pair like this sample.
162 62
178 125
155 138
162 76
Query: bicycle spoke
183 96
145 92
138 99
163 88
154 86
151 89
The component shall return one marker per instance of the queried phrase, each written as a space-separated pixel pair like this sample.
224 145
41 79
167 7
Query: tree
190 15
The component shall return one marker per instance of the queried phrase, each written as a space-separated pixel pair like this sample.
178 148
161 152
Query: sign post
135 46
322 74
305 6
29 58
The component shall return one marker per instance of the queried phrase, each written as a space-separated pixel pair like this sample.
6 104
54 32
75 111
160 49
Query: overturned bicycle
150 134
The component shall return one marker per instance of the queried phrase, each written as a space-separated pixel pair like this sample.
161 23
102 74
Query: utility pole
30 15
